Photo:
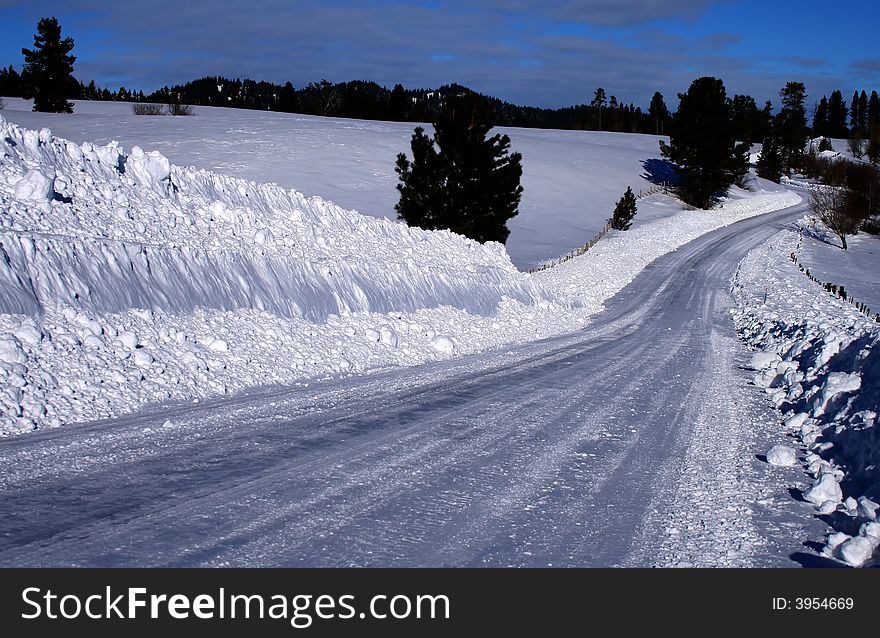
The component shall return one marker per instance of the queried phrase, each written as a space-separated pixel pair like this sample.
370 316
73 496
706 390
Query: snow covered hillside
127 280
571 179
857 269
819 361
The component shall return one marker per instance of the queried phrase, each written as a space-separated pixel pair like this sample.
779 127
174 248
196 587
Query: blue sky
551 53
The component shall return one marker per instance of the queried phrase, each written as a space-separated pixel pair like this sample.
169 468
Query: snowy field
571 179
130 281
857 268
819 361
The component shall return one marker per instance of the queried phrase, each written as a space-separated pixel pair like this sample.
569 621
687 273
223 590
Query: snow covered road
629 443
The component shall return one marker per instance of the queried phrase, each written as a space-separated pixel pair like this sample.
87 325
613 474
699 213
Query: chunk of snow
263 236
142 357
867 508
836 539
218 345
388 336
836 383
763 360
825 488
128 339
856 551
782 456
149 169
29 333
11 352
872 532
34 186
443 344
795 421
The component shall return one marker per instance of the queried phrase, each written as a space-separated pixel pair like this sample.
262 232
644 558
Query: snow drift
820 365
126 280
100 230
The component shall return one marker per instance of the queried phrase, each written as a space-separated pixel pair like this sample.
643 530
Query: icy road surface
629 443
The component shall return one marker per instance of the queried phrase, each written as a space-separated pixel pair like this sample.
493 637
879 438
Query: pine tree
790 125
397 106
863 111
624 211
874 110
855 115
765 121
702 143
837 116
820 118
48 69
658 112
287 100
598 103
461 179
873 150
749 124
873 122
10 82
770 162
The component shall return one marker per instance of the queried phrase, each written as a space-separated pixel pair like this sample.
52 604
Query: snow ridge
97 229
819 362
125 280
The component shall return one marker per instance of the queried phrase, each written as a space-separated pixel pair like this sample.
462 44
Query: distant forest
360 100
370 101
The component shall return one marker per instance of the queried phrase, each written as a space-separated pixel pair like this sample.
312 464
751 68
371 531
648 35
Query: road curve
616 445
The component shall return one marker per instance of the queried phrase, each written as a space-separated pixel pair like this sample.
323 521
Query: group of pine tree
462 179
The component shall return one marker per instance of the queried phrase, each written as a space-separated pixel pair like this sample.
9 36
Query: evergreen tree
10 82
48 69
287 100
766 121
658 112
820 118
874 110
749 123
613 120
837 116
770 163
461 179
624 211
863 111
791 124
702 144
873 122
397 104
598 103
873 150
855 116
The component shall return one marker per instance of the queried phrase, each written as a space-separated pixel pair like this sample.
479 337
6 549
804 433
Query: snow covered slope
857 268
571 179
819 361
127 280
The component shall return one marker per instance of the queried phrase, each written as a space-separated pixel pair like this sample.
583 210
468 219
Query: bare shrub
856 147
831 206
175 108
142 108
